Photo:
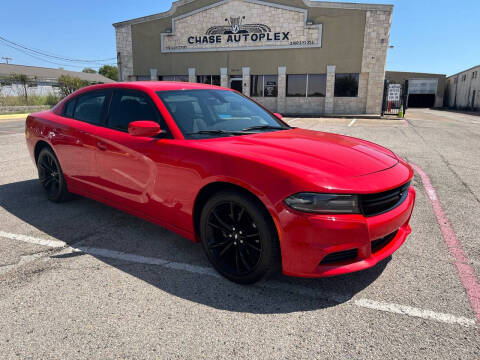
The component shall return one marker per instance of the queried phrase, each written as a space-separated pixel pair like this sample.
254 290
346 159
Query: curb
13 116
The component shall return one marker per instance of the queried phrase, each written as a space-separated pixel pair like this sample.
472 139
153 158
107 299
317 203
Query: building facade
423 90
463 90
293 56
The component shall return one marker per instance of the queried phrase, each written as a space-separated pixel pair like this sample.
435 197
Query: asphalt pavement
82 280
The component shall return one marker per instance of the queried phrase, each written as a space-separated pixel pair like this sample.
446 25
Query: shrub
69 84
52 99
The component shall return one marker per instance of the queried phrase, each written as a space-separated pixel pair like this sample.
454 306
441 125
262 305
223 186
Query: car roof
139 85
155 86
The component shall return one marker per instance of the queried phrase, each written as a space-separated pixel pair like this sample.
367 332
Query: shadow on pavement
96 225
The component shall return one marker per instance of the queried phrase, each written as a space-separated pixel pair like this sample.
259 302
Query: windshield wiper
218 132
265 127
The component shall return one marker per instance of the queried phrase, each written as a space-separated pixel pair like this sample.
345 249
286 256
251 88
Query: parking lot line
465 271
33 240
352 122
276 285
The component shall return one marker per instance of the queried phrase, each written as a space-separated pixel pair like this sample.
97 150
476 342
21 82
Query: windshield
215 113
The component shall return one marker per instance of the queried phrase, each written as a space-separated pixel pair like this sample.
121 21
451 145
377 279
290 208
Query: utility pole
7 59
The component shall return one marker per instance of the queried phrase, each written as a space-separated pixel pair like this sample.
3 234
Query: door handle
101 145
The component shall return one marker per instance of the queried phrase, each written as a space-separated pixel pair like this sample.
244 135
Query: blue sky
438 36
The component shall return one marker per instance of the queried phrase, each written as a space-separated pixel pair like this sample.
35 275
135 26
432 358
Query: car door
133 170
86 113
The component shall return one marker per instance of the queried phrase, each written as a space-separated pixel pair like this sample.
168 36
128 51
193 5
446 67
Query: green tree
68 84
109 71
89 70
23 80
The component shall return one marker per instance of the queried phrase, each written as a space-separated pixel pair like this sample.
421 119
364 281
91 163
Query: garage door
422 92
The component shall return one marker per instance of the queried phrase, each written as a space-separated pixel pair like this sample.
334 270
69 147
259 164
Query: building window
464 77
143 77
209 79
317 85
312 85
297 85
256 85
264 85
346 85
183 78
474 75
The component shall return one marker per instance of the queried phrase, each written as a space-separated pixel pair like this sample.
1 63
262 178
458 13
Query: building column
330 91
124 52
224 77
374 59
191 75
153 74
282 89
362 91
246 81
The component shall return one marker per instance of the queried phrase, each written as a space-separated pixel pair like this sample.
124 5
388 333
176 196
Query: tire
51 176
244 247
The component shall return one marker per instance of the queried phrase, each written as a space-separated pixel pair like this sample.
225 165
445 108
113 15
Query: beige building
293 56
423 90
463 90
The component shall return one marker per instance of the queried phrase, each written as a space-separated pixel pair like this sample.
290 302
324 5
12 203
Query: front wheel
51 176
239 238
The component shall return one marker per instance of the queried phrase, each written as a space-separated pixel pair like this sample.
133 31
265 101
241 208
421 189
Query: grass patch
33 100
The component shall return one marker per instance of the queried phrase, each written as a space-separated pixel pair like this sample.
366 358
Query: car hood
315 151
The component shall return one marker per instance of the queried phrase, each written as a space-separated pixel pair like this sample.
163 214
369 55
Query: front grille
340 256
379 244
376 204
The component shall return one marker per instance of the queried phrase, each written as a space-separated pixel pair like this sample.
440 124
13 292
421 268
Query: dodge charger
217 168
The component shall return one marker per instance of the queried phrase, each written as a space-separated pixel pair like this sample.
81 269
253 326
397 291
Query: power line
52 62
58 57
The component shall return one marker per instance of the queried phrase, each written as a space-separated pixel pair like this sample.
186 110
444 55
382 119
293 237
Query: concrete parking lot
82 280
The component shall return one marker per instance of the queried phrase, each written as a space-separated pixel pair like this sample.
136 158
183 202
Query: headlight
324 203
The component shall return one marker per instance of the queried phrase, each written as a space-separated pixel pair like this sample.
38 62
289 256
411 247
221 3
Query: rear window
89 108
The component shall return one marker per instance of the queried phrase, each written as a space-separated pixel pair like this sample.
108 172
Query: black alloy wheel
51 176
238 237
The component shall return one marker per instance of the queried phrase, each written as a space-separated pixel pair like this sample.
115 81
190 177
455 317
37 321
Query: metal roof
42 73
464 71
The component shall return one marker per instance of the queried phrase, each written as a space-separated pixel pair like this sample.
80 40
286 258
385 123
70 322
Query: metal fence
394 97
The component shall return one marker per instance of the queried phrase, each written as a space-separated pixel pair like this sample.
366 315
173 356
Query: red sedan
217 168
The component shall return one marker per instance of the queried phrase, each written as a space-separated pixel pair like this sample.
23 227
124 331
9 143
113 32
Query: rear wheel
51 176
238 237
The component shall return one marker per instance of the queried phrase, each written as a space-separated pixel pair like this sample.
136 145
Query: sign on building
422 86
242 25
394 92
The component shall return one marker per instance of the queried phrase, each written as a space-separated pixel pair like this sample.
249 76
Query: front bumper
307 239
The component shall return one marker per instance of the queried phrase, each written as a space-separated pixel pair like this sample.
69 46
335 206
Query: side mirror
145 128
278 115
